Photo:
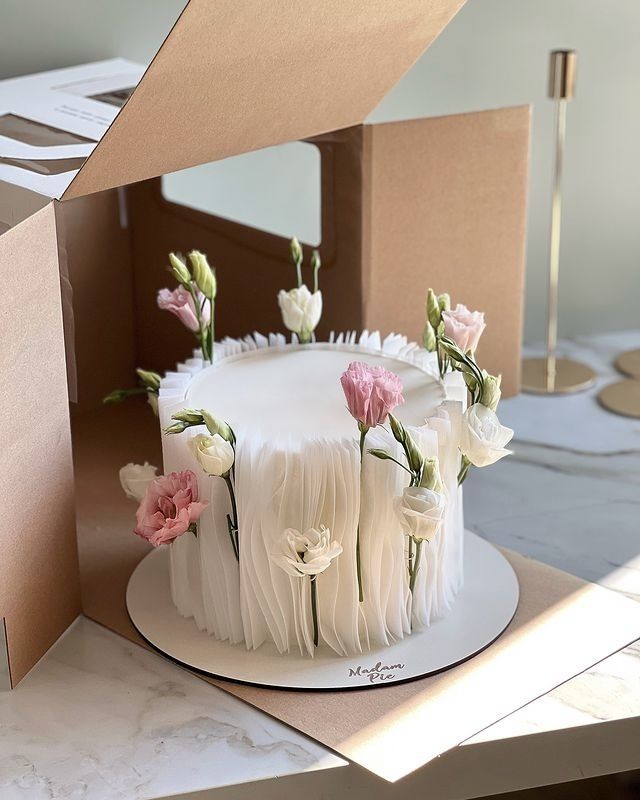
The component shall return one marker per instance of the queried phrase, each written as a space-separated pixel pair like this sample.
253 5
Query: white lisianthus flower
420 511
215 454
134 479
308 553
301 310
483 438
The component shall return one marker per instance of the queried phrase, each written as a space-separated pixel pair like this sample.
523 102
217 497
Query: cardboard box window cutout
404 205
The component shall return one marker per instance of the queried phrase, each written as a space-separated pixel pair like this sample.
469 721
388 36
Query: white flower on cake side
134 479
216 454
420 511
301 309
483 438
306 555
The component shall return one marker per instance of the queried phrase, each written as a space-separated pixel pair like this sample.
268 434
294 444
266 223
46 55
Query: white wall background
494 53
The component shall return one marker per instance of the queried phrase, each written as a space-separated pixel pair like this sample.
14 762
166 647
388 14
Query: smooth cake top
295 391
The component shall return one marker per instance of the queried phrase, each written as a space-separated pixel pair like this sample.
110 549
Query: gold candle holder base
629 363
622 397
571 376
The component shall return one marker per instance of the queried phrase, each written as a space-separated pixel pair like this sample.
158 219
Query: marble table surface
102 719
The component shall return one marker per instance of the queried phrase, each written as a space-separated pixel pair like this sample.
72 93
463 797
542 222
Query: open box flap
238 75
39 579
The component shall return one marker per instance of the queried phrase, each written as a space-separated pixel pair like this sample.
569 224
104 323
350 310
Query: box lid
238 75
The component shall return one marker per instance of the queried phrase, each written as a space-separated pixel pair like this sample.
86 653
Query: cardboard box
404 205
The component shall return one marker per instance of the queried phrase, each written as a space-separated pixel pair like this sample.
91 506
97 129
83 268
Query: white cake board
481 612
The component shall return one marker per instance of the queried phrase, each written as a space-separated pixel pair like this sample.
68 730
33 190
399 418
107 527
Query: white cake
298 466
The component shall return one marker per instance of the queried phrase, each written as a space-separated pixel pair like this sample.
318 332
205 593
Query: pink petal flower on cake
169 508
464 327
372 393
180 302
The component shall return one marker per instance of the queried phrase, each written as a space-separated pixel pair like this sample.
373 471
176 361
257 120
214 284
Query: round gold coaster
622 397
629 363
571 376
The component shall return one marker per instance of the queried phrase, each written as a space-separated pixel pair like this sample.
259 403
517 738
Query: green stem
299 273
235 541
410 558
119 395
314 611
363 436
212 326
416 561
395 461
440 359
201 328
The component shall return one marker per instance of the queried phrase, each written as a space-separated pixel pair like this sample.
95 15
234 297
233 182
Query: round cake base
483 609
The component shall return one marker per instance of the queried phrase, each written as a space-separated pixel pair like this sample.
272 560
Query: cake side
311 491
285 482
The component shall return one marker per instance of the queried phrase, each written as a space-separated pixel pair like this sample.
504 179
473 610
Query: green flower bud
203 275
397 429
444 302
151 380
117 396
452 351
470 381
188 415
295 251
429 338
315 266
177 427
217 425
380 454
179 269
433 309
414 456
491 391
315 261
431 475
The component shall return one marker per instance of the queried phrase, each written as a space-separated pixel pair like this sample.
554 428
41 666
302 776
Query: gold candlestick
553 375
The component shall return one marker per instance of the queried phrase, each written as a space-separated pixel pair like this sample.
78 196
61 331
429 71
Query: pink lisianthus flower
169 508
372 393
464 327
180 302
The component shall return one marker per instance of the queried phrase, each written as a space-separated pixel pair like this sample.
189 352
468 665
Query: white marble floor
102 719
